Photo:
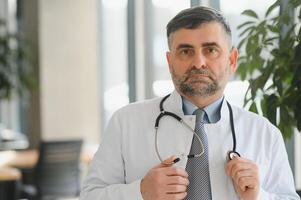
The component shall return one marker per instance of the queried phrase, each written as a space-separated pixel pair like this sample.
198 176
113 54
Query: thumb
168 162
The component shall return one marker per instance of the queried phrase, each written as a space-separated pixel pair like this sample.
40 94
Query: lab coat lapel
220 142
178 136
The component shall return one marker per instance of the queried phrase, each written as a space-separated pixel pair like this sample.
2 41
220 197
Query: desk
12 162
27 159
9 182
19 159
9 174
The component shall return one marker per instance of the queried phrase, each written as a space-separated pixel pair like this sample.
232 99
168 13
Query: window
163 11
114 56
9 109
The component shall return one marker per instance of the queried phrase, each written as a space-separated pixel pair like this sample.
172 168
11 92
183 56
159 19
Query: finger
236 166
177 180
230 164
168 162
175 188
237 159
241 166
234 161
241 159
244 174
247 183
176 171
177 196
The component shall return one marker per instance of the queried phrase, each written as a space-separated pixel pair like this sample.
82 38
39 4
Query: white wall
69 69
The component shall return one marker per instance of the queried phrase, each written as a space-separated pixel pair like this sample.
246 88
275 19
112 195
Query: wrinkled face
201 61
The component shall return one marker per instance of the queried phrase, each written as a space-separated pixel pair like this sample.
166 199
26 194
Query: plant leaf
272 7
249 29
242 42
271 108
274 29
250 13
272 64
245 24
253 107
285 123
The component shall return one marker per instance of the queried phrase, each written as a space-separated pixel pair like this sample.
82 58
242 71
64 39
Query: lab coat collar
174 104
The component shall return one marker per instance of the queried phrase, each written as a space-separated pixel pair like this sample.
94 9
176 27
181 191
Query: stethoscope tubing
163 113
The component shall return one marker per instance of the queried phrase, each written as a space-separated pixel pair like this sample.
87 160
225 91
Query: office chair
57 172
9 190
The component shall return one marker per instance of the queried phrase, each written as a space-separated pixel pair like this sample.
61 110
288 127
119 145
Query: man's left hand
245 175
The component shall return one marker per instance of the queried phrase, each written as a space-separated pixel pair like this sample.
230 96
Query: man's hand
164 182
245 175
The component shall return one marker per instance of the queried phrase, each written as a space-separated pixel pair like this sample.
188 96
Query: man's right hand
164 182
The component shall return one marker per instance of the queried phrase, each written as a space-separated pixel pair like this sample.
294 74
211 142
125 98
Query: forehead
211 32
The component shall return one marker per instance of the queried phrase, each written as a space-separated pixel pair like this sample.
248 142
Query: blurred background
75 62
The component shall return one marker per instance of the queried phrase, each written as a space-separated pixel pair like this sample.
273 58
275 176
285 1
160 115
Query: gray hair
192 18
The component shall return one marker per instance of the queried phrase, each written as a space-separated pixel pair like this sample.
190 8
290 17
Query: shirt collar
212 111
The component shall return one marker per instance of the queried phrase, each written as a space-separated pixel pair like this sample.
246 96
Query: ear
233 59
169 60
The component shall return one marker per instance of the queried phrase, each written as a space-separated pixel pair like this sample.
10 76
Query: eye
211 52
186 52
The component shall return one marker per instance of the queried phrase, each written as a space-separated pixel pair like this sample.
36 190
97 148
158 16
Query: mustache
198 71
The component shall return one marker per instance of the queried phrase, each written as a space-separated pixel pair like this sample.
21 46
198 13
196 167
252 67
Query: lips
198 78
199 75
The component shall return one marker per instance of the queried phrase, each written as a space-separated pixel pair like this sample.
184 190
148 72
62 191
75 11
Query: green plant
271 62
15 69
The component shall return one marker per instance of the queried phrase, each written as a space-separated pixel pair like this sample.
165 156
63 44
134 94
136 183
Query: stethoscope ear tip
176 160
232 154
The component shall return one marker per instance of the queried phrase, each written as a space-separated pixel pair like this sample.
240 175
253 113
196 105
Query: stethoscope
230 155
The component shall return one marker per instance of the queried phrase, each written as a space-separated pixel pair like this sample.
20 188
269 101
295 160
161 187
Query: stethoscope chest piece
232 154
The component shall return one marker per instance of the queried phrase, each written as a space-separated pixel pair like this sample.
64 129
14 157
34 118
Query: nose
199 61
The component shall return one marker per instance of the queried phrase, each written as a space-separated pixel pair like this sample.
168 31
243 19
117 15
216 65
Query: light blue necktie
198 167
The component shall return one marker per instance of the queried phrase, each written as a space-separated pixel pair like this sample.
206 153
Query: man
137 161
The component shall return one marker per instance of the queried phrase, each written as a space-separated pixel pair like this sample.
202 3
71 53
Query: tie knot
200 113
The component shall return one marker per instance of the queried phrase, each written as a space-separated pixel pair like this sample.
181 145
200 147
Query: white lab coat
127 151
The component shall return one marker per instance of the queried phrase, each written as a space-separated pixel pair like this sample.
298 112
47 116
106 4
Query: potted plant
15 68
271 62
16 77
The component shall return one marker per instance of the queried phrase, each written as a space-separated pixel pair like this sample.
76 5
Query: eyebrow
210 44
206 44
182 46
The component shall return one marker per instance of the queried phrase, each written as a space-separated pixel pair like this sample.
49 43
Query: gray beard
189 89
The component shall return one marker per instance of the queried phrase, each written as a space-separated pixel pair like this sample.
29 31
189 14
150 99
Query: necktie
198 168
